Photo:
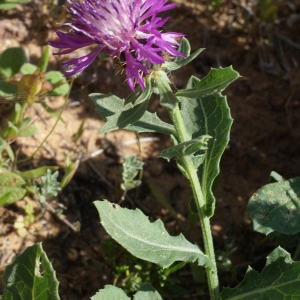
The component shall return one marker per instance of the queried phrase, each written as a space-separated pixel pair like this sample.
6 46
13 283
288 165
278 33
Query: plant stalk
212 276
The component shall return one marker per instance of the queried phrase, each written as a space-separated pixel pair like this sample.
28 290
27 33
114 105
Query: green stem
212 276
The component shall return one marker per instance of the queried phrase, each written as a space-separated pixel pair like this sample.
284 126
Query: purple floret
127 29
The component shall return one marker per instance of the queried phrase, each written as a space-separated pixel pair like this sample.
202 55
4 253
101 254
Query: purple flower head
127 29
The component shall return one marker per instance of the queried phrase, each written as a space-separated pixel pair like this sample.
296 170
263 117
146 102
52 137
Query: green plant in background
10 4
34 85
130 169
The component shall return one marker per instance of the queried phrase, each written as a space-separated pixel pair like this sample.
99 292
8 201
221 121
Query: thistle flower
126 29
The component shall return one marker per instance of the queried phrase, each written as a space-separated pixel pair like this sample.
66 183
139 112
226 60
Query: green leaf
185 49
147 292
31 276
276 207
11 61
10 131
58 82
11 188
28 68
69 172
110 292
7 89
186 148
107 105
126 117
36 173
208 115
27 128
280 280
216 81
10 4
146 240
145 94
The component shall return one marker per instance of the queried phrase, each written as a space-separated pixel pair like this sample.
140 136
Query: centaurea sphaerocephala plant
127 29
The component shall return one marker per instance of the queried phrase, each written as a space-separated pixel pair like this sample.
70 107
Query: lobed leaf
276 207
30 276
208 115
146 240
130 169
280 280
216 81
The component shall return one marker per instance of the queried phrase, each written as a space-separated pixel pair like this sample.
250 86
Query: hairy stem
212 276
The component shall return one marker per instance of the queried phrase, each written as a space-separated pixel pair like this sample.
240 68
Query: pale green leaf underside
276 207
31 276
108 105
146 240
110 292
208 115
279 280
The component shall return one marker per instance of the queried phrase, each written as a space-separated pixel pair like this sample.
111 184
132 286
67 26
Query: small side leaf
146 240
185 49
276 207
110 292
216 81
147 292
31 276
186 148
280 280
